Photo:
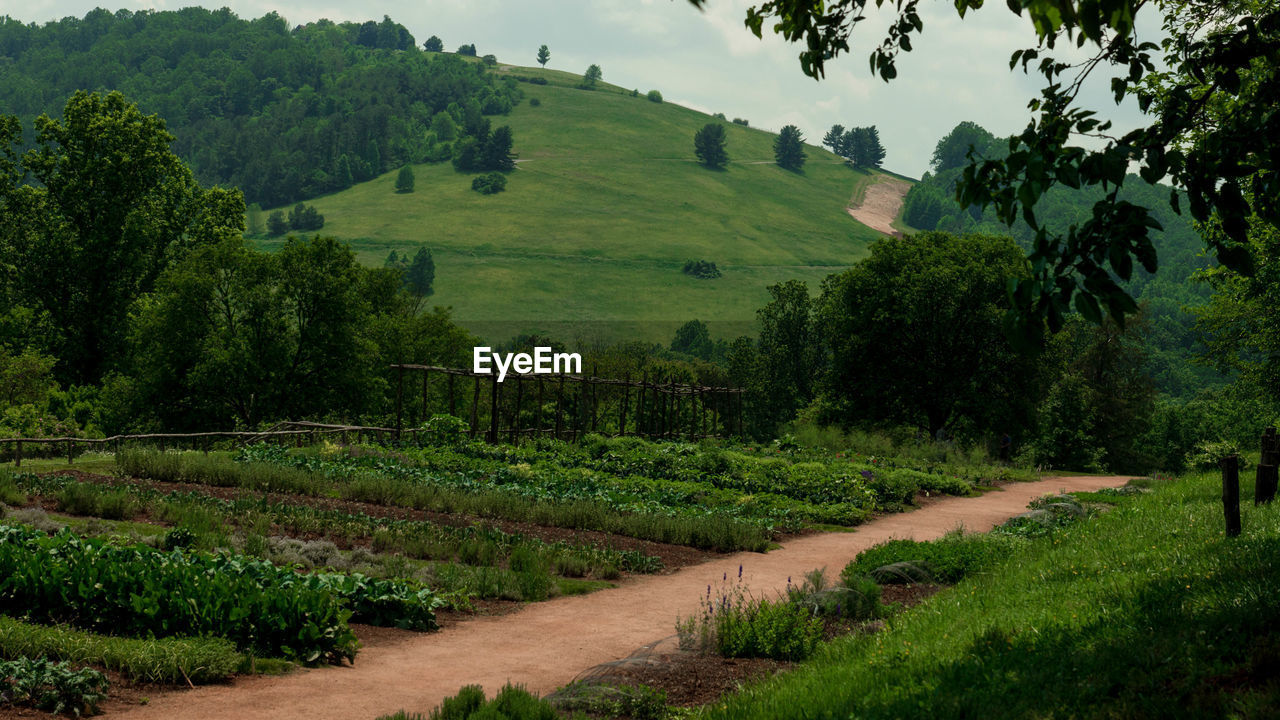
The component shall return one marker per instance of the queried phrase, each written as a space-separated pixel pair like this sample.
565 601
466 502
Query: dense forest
281 113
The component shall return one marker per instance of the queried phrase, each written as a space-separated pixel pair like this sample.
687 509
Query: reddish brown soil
545 645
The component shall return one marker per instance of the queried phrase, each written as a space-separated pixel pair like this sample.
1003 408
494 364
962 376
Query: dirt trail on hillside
545 645
881 203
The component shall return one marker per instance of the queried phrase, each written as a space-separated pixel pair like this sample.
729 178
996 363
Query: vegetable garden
188 566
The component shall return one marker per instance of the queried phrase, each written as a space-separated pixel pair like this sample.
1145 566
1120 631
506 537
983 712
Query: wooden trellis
656 407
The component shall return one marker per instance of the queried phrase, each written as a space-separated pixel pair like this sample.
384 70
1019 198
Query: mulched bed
673 556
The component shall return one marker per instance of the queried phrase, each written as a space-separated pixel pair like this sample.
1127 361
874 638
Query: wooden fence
518 407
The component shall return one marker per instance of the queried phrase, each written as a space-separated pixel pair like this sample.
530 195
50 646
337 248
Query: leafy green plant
51 687
737 624
945 560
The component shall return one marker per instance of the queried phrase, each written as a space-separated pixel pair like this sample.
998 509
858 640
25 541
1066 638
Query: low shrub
736 624
489 183
51 687
512 702
945 560
654 96
610 700
534 102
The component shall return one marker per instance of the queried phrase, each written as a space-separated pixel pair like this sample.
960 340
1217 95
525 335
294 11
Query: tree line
282 113
131 301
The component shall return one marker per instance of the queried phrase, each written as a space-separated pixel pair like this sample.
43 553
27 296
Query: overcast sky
709 61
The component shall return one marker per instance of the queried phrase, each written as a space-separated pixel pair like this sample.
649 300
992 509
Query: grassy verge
1147 611
164 660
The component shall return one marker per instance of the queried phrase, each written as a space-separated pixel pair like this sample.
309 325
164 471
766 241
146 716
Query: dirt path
546 645
881 203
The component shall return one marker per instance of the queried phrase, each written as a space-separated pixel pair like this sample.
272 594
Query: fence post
17 454
493 409
1231 493
453 408
426 375
622 412
70 451
537 418
400 402
1264 490
475 404
560 406
515 422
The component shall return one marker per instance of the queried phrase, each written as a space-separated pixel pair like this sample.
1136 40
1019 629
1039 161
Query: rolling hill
605 207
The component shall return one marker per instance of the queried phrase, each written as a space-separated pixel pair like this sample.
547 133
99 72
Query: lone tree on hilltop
433 44
544 54
708 145
591 77
788 148
404 181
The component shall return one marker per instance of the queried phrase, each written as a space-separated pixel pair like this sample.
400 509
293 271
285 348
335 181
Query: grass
605 207
1145 611
166 660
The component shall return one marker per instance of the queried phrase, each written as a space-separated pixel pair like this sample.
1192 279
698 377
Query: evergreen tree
497 153
276 224
875 151
708 146
420 275
788 148
544 55
343 172
404 181
834 139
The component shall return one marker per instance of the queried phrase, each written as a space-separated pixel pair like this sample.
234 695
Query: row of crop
811 476
52 687
413 487
548 481
139 591
472 544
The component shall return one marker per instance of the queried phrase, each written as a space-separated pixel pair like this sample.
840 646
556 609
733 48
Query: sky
709 61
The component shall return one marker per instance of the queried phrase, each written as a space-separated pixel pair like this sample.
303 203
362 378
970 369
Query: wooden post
622 411
1264 489
701 406
594 374
537 417
475 404
641 415
515 424
1231 493
453 408
70 451
17 454
559 406
426 374
400 402
493 409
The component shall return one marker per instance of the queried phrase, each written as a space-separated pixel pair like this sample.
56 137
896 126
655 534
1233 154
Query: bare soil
881 203
546 645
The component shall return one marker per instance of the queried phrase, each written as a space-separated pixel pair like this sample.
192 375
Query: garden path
545 645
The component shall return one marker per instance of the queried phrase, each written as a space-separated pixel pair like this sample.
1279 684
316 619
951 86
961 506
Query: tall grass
164 660
1147 611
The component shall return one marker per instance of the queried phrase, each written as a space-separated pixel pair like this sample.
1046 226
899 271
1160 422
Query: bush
54 688
701 269
490 60
945 560
534 102
741 121
736 624
512 702
654 96
444 431
305 217
276 224
489 183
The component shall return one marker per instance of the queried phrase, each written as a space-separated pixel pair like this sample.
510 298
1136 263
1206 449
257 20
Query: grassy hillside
604 209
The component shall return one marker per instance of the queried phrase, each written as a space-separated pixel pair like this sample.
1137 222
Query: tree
936 299
404 180
444 127
497 153
305 217
591 77
874 150
468 50
952 151
694 339
1215 55
276 224
420 275
343 172
433 44
544 55
708 146
922 208
113 205
834 139
788 148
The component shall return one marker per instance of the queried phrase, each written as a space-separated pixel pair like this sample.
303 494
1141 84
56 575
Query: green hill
607 204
